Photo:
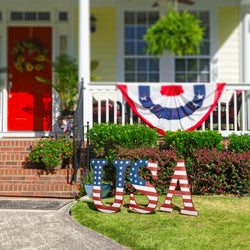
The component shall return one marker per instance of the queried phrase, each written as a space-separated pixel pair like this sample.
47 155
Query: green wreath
29 56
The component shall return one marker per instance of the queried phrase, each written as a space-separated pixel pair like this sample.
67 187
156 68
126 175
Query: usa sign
144 187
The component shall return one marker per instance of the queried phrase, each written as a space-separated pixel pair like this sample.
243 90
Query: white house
29 108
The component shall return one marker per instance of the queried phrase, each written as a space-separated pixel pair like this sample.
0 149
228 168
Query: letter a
180 174
121 166
143 186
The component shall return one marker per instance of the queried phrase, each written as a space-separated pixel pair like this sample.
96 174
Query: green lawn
223 223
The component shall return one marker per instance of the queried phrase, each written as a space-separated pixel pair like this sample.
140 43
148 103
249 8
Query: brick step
10 171
64 195
22 179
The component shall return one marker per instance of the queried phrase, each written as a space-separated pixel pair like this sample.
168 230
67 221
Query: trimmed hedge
187 142
210 167
107 137
239 143
210 171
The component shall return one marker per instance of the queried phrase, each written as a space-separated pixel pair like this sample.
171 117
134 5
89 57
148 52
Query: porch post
84 57
247 63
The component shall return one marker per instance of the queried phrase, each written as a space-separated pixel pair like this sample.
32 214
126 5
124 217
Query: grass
223 223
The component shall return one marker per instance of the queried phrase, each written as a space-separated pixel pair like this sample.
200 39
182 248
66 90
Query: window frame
135 56
197 57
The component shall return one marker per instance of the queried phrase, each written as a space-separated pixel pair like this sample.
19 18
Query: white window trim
167 60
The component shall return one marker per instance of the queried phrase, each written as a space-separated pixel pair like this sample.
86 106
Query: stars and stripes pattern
180 175
121 166
143 187
172 107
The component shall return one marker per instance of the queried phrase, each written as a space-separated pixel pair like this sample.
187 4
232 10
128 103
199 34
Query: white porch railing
231 115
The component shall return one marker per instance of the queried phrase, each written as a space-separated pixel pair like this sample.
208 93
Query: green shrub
209 171
51 152
187 142
166 160
106 137
239 143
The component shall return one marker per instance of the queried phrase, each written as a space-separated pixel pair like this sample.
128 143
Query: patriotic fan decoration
67 125
172 107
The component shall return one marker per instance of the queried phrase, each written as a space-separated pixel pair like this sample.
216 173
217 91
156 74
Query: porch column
247 61
84 57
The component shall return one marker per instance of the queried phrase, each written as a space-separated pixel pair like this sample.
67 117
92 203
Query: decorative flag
180 175
172 107
143 187
121 166
67 125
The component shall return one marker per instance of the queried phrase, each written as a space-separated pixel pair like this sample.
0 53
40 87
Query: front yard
223 223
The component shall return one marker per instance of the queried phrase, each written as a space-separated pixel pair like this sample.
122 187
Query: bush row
209 171
211 168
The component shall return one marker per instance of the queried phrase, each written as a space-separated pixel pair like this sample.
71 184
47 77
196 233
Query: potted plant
177 32
65 84
86 185
52 152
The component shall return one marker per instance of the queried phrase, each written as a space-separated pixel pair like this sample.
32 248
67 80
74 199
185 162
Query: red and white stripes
180 174
148 190
119 195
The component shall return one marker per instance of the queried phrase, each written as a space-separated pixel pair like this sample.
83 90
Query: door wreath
29 56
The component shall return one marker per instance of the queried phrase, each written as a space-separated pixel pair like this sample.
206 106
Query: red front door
29 101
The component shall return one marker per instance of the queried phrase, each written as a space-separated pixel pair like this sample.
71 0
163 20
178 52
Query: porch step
22 180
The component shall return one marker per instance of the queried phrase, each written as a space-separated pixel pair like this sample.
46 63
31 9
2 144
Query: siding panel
229 44
103 43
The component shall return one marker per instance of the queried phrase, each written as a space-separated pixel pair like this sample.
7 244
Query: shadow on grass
91 206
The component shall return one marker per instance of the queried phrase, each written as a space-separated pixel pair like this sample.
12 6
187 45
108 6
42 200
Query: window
29 16
16 16
63 16
139 67
196 68
43 16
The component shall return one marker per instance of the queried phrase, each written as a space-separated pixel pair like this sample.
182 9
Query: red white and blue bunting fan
172 107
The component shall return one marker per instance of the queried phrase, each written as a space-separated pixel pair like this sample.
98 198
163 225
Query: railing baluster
99 107
235 111
211 121
203 126
131 113
107 106
227 112
123 110
115 108
243 104
219 116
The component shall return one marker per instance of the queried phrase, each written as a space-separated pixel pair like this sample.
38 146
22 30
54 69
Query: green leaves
51 152
187 142
66 80
239 143
178 32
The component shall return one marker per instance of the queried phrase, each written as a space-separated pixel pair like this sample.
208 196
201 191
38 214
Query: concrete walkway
48 229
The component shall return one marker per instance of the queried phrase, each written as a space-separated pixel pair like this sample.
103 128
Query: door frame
58 29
